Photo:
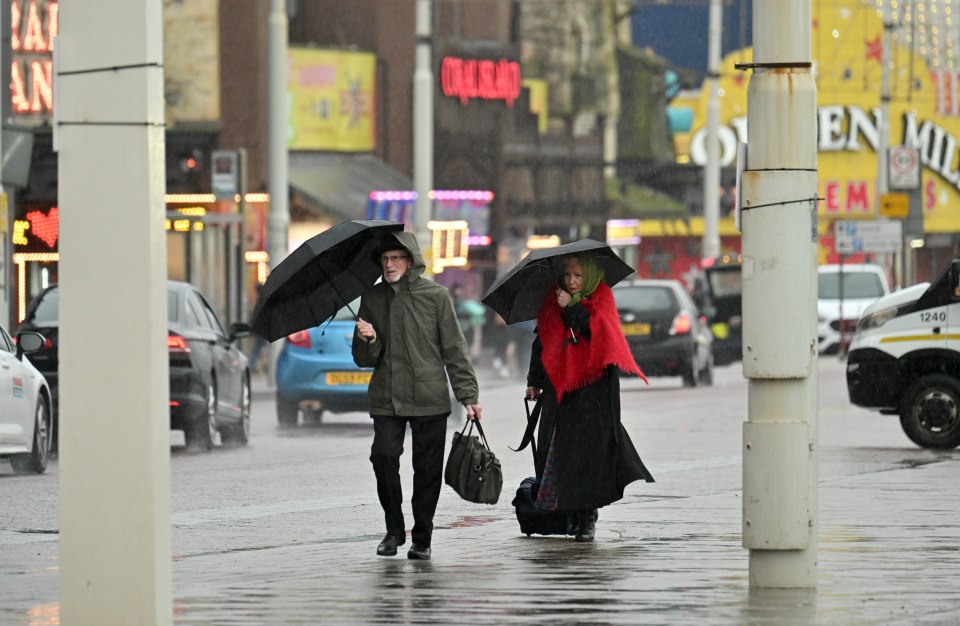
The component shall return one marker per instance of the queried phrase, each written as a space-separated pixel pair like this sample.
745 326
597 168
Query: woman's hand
532 393
563 298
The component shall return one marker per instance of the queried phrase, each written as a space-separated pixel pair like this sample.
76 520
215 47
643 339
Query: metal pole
423 129
883 144
779 222
711 169
278 219
115 565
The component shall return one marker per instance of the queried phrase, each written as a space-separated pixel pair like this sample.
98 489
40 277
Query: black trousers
429 434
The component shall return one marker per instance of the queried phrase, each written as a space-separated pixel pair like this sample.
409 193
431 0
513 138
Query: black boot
587 527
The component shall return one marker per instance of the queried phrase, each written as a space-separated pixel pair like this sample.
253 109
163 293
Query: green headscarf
592 275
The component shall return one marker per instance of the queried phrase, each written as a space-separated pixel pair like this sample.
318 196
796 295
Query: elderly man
409 333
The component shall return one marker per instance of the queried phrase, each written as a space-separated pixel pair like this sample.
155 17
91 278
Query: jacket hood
407 241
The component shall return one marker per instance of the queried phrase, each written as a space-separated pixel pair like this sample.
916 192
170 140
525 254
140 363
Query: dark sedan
209 377
664 330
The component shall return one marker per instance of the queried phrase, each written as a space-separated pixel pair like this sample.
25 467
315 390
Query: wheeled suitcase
534 521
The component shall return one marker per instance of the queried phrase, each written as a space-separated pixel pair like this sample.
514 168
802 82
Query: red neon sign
480 78
45 226
34 25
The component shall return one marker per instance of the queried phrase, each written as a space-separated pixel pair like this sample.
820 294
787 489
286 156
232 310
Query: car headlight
876 320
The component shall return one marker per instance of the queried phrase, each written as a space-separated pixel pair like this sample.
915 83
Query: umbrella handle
573 337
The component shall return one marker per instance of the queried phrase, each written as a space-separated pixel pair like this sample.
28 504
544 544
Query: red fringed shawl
570 365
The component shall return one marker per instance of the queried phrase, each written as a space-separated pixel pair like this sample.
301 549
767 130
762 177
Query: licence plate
348 378
636 329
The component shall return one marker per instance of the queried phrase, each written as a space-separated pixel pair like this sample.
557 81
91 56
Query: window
645 299
48 308
6 344
855 285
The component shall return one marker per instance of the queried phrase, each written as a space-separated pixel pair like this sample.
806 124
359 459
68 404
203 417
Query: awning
339 185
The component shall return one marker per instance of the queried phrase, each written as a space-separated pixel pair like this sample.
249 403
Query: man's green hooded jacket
418 344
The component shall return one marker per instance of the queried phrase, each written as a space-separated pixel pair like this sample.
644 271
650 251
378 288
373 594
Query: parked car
209 377
664 330
316 373
841 302
25 420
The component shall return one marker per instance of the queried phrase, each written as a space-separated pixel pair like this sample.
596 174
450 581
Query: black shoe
419 552
388 547
588 527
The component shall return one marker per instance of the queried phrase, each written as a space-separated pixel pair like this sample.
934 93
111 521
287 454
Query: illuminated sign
480 78
924 114
34 27
450 244
38 232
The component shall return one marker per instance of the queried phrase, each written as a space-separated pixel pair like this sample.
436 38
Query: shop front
923 114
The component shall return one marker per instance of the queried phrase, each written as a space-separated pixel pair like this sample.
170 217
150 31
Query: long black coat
596 458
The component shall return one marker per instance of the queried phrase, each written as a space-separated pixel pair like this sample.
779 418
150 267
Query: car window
345 314
6 344
855 285
725 282
646 299
195 316
48 308
173 305
212 322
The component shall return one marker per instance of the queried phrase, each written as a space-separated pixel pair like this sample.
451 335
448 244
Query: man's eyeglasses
392 258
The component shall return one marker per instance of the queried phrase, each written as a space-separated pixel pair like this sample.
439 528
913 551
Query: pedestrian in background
585 457
408 331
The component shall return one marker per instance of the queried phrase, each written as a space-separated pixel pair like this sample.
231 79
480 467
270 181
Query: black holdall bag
473 470
534 521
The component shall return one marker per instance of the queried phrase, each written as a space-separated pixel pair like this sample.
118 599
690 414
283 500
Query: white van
905 359
841 302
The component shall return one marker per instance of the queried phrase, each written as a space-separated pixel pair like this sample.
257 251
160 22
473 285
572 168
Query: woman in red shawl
585 457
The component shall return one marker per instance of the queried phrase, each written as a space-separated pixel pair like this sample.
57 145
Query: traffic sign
903 167
894 205
879 236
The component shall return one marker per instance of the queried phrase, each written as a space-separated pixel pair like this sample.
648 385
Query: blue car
316 372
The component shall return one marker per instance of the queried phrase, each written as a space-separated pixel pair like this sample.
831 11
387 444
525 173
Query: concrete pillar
779 220
115 558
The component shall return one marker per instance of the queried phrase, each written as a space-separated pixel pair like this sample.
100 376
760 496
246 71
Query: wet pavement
888 555
668 553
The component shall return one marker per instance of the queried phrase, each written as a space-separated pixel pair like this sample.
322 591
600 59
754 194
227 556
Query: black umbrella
518 295
317 279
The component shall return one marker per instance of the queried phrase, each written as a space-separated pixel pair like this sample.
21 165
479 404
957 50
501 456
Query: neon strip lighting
478 195
20 259
393 196
622 223
209 198
451 225
479 240
475 195
256 256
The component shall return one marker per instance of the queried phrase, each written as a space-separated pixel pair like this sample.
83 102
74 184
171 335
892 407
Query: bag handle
532 419
467 433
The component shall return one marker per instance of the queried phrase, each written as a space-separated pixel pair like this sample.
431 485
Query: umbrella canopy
518 295
324 274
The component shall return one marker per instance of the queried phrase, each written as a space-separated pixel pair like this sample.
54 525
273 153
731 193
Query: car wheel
239 433
706 374
286 412
36 461
314 418
202 432
930 412
691 372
